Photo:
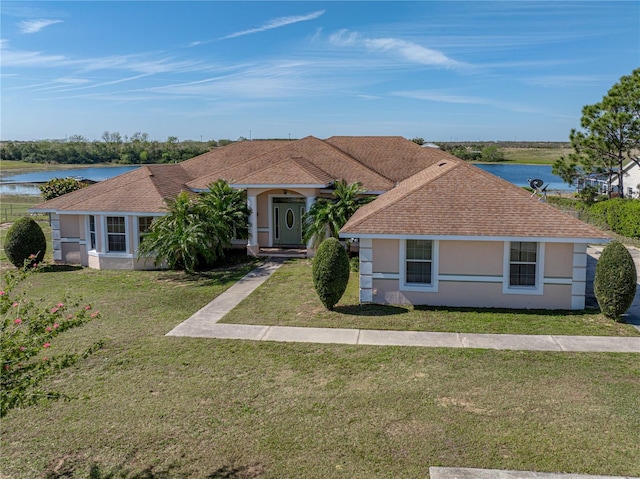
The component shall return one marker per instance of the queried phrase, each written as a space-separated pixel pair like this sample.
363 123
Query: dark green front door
287 221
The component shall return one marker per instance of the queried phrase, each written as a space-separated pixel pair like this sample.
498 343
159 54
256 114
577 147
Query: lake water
521 174
23 183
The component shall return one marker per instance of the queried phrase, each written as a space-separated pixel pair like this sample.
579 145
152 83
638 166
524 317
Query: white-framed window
418 265
523 267
144 225
116 234
92 232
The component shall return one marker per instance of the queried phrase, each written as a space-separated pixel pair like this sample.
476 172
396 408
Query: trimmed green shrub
615 281
330 272
620 215
25 241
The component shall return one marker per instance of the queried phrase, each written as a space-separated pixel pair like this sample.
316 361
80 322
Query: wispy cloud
440 96
403 49
34 26
565 80
277 23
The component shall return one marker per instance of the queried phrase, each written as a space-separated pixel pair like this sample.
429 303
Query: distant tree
418 141
59 186
492 153
610 136
327 215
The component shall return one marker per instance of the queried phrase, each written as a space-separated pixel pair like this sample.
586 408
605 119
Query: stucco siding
481 258
263 213
70 226
558 260
385 255
71 253
479 295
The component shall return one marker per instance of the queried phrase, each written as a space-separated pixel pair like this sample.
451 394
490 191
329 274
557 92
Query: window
116 234
418 262
144 225
523 258
92 232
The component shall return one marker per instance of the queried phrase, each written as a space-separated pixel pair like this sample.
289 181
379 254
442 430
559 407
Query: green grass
278 303
535 156
152 406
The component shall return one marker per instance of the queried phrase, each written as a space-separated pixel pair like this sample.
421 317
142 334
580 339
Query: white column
309 203
579 279
366 270
253 247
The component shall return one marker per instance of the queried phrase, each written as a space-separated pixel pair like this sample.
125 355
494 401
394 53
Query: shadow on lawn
520 312
370 310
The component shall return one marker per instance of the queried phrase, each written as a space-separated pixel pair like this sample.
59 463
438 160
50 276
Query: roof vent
442 164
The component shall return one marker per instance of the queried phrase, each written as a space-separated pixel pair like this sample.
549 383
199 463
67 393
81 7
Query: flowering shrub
27 331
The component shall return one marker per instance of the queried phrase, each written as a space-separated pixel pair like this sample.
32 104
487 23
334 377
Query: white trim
105 235
395 276
469 278
567 281
426 288
538 289
275 186
103 213
477 238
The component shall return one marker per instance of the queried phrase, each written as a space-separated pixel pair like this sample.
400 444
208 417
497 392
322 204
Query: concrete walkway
204 324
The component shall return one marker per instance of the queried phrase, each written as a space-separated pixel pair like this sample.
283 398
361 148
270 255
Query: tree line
111 148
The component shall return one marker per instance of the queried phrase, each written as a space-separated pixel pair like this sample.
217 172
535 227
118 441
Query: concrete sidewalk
204 324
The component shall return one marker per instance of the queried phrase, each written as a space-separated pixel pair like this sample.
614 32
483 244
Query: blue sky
441 70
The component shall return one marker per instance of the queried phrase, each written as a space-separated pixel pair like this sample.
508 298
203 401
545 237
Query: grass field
535 156
279 304
151 406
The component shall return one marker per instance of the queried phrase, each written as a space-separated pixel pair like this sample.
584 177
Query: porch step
283 252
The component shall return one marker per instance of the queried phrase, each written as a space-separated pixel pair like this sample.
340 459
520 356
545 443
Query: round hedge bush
330 272
615 281
25 238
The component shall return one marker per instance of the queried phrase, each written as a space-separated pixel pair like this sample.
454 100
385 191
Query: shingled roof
455 199
142 190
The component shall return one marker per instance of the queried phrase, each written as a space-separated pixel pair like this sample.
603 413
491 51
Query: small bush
330 272
615 281
25 243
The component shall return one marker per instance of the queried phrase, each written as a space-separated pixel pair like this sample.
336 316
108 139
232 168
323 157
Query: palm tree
196 231
327 215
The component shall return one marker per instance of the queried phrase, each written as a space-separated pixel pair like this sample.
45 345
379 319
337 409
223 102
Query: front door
287 221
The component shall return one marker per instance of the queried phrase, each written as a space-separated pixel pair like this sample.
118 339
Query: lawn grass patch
289 299
535 156
148 405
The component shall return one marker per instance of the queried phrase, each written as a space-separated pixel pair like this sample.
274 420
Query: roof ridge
410 189
344 153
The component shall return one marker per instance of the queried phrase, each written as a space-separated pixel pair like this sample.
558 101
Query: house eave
540 239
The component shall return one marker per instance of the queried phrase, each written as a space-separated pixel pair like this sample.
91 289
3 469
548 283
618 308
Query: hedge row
621 216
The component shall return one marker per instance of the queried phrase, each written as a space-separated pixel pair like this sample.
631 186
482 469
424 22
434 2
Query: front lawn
288 299
151 406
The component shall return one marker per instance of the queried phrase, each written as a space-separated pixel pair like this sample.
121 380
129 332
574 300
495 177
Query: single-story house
455 235
441 231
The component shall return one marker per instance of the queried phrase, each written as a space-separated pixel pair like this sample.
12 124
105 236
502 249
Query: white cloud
34 26
277 23
442 97
407 51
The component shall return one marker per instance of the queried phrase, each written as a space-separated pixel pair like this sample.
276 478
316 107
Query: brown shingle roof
142 190
458 199
299 171
336 164
394 157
